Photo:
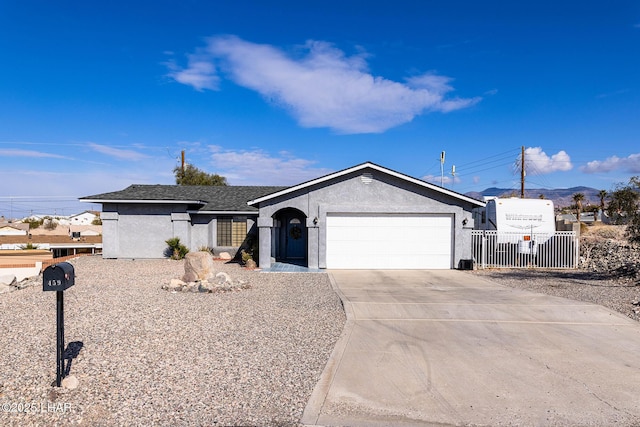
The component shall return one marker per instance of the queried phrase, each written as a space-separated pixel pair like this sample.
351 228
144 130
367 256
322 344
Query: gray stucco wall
203 231
140 230
133 230
352 194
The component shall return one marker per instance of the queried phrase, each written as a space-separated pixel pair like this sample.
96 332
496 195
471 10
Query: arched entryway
291 239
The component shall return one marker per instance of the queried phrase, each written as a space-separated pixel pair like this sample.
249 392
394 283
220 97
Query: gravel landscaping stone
247 356
154 357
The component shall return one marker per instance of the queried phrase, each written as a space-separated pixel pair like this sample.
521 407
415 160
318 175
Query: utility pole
182 165
522 173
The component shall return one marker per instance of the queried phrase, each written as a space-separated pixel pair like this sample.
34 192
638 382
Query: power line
502 155
472 167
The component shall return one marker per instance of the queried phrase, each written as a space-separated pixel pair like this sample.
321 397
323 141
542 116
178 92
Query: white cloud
200 72
537 162
629 164
29 153
437 179
117 152
257 167
51 188
320 87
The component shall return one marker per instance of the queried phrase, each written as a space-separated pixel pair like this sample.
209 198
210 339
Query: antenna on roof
442 169
453 175
522 173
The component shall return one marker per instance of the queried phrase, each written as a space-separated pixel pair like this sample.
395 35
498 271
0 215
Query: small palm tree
578 198
602 194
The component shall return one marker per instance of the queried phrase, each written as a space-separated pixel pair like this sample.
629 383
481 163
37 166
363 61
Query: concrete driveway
445 347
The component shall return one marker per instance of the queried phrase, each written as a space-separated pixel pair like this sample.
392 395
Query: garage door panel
388 241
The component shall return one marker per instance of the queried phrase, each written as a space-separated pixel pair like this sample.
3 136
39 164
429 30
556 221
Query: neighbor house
13 228
366 216
84 218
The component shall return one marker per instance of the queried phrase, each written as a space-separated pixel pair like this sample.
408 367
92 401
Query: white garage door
388 241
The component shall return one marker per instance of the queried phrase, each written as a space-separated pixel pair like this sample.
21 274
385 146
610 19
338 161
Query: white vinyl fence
493 249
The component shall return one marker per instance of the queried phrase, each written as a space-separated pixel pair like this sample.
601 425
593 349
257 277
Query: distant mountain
561 196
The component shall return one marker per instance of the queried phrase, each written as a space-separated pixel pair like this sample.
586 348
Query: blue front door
295 238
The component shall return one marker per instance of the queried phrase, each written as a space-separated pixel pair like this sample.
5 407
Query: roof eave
360 167
154 201
223 212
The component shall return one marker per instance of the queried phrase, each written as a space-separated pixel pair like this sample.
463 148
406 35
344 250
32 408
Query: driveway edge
319 395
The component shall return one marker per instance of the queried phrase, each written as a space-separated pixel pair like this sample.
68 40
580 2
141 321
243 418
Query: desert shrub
624 207
29 246
176 249
246 256
251 248
33 223
50 223
205 249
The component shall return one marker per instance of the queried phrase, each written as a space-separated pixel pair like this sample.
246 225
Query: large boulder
198 266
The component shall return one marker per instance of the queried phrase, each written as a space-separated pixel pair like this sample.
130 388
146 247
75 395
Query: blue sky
95 96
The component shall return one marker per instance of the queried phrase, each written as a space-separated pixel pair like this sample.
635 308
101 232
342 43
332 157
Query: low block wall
20 258
24 265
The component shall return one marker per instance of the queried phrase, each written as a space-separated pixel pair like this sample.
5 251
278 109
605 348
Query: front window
231 231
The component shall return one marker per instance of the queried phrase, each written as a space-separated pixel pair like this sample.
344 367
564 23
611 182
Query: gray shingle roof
210 198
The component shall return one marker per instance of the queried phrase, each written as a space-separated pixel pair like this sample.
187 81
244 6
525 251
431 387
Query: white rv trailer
523 222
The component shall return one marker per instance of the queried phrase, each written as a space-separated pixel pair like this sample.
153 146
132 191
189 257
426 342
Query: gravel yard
153 357
580 285
245 357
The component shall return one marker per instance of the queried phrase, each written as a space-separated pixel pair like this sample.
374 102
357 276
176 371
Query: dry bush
605 231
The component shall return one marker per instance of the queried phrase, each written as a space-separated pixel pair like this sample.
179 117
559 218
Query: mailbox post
59 277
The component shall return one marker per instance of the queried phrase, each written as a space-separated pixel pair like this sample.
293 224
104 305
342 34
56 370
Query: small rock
25 283
205 286
224 256
223 278
192 287
70 382
174 285
251 264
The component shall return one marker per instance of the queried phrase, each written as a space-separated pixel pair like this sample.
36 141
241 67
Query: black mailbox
58 277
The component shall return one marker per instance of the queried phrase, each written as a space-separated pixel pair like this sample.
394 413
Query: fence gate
493 249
